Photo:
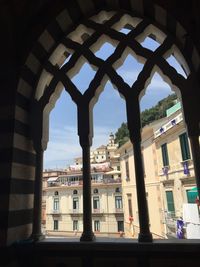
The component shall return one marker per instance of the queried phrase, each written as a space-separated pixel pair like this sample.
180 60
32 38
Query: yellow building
152 184
64 209
64 196
168 174
175 167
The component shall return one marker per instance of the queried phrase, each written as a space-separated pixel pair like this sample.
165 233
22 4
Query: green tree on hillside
147 116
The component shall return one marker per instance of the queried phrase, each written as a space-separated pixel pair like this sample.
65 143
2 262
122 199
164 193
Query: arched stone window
126 32
56 193
75 192
95 191
117 190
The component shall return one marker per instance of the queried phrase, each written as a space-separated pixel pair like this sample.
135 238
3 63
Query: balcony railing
97 211
75 211
57 211
118 210
168 125
78 183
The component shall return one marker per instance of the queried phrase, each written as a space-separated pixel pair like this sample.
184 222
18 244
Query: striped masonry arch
20 191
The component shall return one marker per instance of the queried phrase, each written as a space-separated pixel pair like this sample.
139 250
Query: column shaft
37 210
88 234
194 141
134 126
144 235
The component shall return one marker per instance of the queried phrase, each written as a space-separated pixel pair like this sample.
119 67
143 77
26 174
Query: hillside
147 116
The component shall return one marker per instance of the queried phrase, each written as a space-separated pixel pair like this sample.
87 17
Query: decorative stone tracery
65 62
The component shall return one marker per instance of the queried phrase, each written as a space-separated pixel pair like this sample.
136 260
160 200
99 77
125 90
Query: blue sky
108 114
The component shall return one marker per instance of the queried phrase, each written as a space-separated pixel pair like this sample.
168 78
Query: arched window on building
75 192
95 191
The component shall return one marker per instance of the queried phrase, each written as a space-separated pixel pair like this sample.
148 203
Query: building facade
152 186
168 174
175 168
64 196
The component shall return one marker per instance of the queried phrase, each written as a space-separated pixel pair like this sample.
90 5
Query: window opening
130 69
88 73
176 65
97 226
150 43
120 226
185 150
75 203
55 225
75 225
87 69
118 202
165 157
105 51
170 202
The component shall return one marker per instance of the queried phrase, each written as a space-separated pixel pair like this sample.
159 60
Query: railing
97 211
118 210
75 211
55 211
78 183
168 125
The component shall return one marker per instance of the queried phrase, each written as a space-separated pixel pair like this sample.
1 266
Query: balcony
97 211
168 125
55 212
75 212
118 211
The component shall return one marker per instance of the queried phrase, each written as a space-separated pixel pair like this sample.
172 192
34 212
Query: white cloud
64 146
156 82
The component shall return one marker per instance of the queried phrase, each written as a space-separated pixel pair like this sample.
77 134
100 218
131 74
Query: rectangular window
97 226
75 203
56 204
191 195
185 150
170 201
55 224
118 202
165 157
127 170
120 226
75 225
96 203
130 207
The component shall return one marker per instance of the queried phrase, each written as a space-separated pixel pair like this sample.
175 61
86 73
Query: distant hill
147 116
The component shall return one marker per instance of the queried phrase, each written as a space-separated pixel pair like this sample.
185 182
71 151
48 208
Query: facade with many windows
175 169
64 209
64 196
152 184
168 174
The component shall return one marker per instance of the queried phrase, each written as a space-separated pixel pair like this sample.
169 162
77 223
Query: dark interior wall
21 23
27 19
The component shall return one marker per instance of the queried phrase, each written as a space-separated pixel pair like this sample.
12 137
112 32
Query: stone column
37 210
87 234
37 137
84 131
190 103
195 147
133 116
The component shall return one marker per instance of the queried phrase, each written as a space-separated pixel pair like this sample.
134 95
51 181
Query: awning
52 179
193 190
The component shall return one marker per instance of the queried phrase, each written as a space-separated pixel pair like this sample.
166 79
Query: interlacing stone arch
78 47
55 60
